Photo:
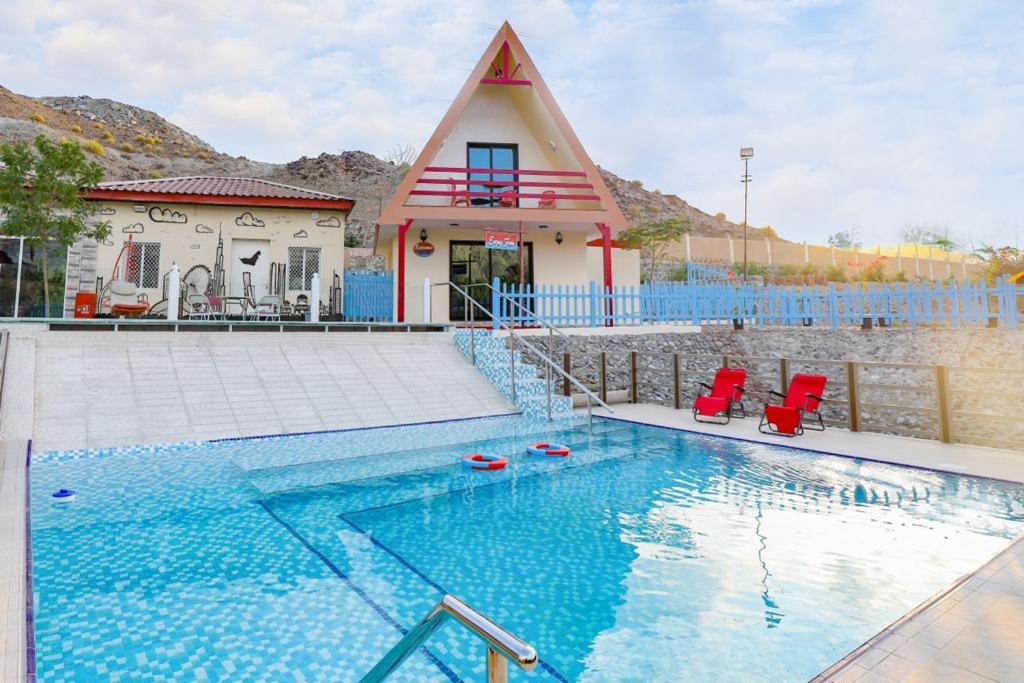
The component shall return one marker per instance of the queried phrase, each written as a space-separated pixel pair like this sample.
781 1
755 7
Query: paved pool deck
972 631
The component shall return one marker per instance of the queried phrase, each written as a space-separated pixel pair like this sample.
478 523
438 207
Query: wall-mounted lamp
552 144
453 225
542 227
558 237
139 209
423 235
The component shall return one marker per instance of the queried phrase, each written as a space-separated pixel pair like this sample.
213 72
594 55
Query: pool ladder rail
501 645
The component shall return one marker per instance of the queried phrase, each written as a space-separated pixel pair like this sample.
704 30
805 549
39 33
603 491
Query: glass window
491 156
302 263
144 264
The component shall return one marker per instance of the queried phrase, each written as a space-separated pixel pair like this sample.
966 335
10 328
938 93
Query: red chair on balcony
547 200
459 197
803 399
508 198
725 395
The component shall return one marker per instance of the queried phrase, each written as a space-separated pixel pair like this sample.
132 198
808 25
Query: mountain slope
137 143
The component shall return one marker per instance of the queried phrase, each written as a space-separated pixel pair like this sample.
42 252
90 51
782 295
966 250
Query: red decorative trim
402 229
606 248
218 200
504 183
599 242
506 171
521 195
503 74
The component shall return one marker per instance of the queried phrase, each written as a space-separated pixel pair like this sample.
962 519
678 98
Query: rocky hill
133 143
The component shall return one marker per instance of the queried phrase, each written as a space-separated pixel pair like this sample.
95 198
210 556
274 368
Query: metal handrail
501 645
550 365
544 323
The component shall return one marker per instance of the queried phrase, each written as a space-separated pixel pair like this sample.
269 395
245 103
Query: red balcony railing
458 187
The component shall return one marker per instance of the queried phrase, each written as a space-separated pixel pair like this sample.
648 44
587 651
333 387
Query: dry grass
94 147
38 118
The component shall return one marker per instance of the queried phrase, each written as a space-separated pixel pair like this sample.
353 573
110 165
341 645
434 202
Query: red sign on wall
507 241
423 249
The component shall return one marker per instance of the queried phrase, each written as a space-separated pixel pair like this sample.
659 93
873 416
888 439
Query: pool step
495 360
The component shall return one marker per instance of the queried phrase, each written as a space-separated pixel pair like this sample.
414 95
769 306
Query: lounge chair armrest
706 386
819 399
737 387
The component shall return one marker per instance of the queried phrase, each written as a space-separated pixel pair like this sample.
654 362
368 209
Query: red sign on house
506 241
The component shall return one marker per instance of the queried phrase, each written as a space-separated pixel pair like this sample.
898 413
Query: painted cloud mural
134 229
247 220
204 229
107 211
301 234
332 222
158 215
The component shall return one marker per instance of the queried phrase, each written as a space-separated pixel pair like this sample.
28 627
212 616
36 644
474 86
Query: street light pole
746 153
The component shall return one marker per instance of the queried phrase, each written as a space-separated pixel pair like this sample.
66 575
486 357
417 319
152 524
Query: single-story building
221 232
502 189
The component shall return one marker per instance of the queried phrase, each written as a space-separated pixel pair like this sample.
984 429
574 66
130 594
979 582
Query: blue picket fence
368 297
703 273
949 304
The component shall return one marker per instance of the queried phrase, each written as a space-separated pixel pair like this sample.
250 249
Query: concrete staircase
493 359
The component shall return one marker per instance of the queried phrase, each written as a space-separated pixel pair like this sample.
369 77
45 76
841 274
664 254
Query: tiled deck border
17 650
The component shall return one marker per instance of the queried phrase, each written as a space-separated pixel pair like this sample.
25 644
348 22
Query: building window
491 155
144 264
302 263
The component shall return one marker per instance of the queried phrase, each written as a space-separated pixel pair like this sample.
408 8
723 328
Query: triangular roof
504 44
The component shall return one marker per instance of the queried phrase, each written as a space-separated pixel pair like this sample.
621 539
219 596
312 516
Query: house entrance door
471 263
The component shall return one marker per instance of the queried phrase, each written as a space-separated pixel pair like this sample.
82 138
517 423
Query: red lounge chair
458 197
508 198
802 399
726 394
548 200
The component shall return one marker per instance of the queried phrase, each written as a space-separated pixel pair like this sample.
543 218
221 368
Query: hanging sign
506 241
423 249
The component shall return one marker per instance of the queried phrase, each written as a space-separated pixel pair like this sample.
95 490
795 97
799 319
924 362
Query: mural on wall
194 246
247 220
107 211
301 234
281 219
204 229
158 215
332 222
134 229
251 260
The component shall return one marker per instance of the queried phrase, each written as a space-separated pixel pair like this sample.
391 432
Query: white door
250 256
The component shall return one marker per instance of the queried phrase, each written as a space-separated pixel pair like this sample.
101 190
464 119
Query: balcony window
495 156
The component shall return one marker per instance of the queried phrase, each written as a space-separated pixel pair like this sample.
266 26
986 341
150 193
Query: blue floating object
64 496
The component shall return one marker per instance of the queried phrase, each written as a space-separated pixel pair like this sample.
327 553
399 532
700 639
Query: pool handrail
501 644
549 364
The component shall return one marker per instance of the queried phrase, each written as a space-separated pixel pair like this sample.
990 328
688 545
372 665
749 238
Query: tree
933 237
845 239
653 238
41 196
1000 261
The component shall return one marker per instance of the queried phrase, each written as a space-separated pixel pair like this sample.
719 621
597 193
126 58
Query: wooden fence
911 304
983 406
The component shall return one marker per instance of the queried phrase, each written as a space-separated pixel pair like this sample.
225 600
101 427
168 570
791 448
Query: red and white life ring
550 450
479 461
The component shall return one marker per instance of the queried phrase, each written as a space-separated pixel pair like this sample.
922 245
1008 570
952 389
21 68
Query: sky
870 115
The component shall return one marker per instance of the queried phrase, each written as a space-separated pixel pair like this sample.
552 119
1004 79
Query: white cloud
875 114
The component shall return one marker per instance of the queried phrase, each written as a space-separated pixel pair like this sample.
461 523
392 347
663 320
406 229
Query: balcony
530 189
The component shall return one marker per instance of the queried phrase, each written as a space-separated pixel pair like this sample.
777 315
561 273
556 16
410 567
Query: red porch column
402 229
606 253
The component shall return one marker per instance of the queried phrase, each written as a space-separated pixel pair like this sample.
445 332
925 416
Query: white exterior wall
189 243
625 266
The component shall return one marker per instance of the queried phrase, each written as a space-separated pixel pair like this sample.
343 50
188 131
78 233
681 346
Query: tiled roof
214 186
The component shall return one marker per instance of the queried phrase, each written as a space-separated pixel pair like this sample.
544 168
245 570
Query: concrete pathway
100 389
978 461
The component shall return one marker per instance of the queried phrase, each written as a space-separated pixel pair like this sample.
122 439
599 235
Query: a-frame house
503 188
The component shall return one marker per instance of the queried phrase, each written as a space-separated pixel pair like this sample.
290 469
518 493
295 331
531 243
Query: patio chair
459 197
508 198
548 200
268 308
216 306
725 395
803 399
125 300
198 306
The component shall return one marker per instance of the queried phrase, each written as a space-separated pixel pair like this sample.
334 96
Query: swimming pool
648 554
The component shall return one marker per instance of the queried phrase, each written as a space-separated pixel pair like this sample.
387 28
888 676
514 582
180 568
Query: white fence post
426 299
314 298
173 292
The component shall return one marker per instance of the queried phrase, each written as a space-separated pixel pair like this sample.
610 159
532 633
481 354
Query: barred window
144 264
302 263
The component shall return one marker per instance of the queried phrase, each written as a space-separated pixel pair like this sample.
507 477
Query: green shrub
352 241
38 118
94 147
127 147
107 136
98 125
836 274
77 129
155 175
201 154
677 274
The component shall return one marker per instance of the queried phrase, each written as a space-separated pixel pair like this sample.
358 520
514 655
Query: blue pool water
648 554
